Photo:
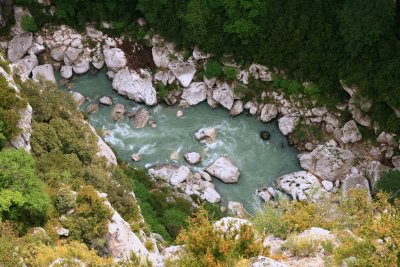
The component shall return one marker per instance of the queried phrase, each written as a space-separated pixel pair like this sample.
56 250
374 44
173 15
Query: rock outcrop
301 185
45 71
22 140
135 86
224 169
287 124
327 162
141 118
19 45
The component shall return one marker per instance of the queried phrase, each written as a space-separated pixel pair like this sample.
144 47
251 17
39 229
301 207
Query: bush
28 24
208 246
390 183
174 220
65 200
213 70
269 221
22 195
230 73
294 88
301 246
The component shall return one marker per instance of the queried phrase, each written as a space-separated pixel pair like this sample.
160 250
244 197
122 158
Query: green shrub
174 220
390 183
294 88
22 195
284 84
301 246
213 70
230 73
65 200
28 24
269 221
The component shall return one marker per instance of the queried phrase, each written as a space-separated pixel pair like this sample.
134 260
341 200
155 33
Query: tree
22 195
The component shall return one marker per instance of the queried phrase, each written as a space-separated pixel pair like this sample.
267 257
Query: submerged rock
328 162
92 108
141 118
265 135
135 87
208 135
78 98
105 100
118 112
224 169
136 157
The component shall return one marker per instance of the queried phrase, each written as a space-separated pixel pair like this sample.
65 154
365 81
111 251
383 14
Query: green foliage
390 183
230 73
65 200
23 198
213 70
269 221
3 138
89 221
28 24
294 88
8 242
174 220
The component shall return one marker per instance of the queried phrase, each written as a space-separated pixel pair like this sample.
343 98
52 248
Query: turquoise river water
260 162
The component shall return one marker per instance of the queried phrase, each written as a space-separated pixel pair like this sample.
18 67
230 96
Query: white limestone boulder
350 132
224 95
46 71
328 162
268 112
66 72
224 169
195 93
183 71
287 124
135 86
19 45
115 59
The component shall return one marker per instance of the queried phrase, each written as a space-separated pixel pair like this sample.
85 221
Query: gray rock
301 185
237 108
22 140
66 72
141 118
135 87
19 45
237 209
192 158
46 71
24 66
224 169
79 99
328 185
92 108
161 56
350 133
287 124
268 113
180 175
115 59
328 162
396 162
355 181
82 65
71 55
224 95
208 135
57 54
386 138
195 93
183 71
105 100
211 195
118 112
62 231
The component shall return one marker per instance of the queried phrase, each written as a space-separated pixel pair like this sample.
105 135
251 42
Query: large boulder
328 162
183 71
45 71
301 185
24 66
118 112
78 98
224 95
141 118
207 135
160 56
355 181
350 133
224 169
192 158
211 195
66 72
237 209
115 58
180 175
287 124
237 108
57 53
105 100
19 45
135 87
81 65
195 93
71 54
268 113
